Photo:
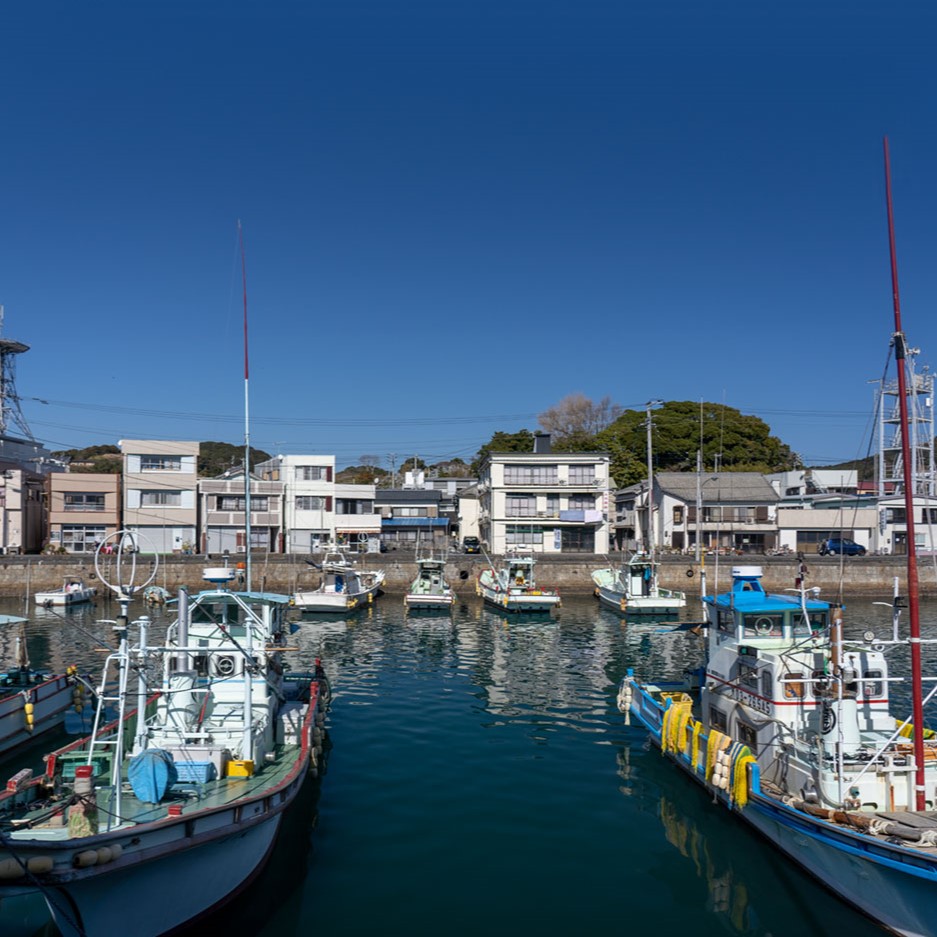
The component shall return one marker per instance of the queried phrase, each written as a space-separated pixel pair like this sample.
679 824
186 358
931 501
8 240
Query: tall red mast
914 608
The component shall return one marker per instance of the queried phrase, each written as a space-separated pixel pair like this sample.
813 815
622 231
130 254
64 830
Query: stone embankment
873 575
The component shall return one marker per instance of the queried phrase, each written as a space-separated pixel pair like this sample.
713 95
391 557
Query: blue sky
456 214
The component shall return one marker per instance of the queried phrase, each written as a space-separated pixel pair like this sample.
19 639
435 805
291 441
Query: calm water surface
480 778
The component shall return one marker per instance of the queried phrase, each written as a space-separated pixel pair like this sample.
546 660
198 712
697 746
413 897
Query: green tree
215 458
521 441
731 441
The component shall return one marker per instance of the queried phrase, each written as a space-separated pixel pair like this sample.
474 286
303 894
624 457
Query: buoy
86 859
39 865
104 855
116 852
10 868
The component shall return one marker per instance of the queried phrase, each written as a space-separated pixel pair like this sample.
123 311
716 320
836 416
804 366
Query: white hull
334 602
640 605
417 600
520 601
60 597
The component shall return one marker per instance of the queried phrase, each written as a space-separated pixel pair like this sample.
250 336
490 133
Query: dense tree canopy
730 441
521 441
100 459
215 458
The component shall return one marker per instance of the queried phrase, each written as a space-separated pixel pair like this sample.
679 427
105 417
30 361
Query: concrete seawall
873 575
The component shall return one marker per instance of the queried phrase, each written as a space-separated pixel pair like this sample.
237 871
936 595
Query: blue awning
415 522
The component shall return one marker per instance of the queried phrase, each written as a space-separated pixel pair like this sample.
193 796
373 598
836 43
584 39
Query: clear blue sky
458 213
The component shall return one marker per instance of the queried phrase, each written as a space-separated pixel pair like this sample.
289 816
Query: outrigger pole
914 608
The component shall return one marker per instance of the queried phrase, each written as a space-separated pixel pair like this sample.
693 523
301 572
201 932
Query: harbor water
480 778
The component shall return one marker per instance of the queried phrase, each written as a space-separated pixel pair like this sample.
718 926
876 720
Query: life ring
689 574
362 538
764 625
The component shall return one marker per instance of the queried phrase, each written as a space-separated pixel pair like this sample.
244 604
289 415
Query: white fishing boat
195 791
789 725
73 592
342 587
429 590
34 701
512 587
634 589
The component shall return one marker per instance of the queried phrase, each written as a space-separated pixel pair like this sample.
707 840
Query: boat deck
189 797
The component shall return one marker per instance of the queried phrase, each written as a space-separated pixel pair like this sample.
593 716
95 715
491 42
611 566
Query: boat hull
656 606
59 598
418 601
334 602
895 886
51 700
160 895
520 601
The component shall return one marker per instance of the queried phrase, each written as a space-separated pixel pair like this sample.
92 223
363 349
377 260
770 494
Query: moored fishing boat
73 592
429 590
194 791
634 589
789 725
343 587
512 587
34 701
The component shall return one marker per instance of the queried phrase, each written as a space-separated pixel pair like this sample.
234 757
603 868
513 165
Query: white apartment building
160 482
316 509
551 502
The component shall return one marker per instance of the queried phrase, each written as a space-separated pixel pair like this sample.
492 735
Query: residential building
893 525
731 511
551 502
803 528
317 510
412 516
222 508
83 509
21 510
160 486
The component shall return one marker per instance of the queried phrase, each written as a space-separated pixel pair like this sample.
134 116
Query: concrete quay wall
873 575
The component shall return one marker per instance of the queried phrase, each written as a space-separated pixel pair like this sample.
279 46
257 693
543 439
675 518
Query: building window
160 463
516 534
237 503
530 474
409 512
310 503
313 473
76 501
553 505
678 514
353 506
520 505
81 538
582 474
581 503
168 499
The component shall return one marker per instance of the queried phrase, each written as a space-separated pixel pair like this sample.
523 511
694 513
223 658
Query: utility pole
650 479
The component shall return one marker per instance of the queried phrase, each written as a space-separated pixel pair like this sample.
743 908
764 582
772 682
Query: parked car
471 545
841 545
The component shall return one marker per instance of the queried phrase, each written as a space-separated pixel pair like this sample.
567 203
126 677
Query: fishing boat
633 589
429 590
34 701
73 592
343 587
789 725
512 587
190 786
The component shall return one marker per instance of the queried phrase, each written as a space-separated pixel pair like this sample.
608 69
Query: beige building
160 493
84 509
223 505
21 527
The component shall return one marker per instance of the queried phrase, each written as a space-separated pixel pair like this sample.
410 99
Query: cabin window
725 620
717 719
748 736
763 626
767 683
748 676
821 685
872 683
793 686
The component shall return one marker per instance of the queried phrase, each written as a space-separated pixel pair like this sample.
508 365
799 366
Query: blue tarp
151 773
